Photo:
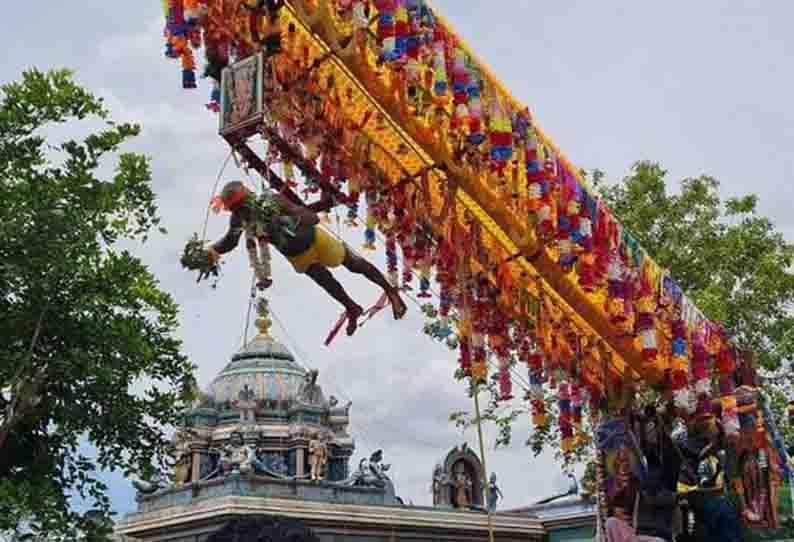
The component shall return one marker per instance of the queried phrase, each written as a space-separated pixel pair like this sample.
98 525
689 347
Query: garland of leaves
267 209
270 218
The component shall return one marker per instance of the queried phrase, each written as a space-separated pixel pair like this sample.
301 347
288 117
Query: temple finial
263 321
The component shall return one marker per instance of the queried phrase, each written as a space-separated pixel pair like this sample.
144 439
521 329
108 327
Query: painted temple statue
458 480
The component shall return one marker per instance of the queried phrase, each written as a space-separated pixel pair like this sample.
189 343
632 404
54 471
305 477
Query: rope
214 189
251 298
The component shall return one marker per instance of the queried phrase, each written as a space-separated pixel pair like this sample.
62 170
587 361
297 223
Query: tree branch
24 401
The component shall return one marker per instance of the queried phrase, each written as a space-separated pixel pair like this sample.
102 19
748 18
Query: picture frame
242 88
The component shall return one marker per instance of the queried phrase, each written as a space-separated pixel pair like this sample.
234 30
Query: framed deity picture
241 94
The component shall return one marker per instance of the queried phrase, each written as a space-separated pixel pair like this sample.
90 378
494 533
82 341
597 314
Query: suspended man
293 229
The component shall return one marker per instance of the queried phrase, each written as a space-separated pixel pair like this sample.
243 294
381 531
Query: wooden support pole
486 486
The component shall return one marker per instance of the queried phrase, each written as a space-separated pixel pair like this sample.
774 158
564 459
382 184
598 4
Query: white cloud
182 120
136 45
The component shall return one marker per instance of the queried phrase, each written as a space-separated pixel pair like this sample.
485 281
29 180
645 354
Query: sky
700 87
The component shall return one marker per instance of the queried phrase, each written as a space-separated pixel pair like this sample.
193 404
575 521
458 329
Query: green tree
83 320
730 261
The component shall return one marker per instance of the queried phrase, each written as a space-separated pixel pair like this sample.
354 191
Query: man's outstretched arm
230 240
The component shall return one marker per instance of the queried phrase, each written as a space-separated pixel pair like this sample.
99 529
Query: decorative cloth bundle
746 409
566 417
537 403
730 414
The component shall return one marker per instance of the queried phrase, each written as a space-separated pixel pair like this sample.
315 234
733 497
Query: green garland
270 217
266 208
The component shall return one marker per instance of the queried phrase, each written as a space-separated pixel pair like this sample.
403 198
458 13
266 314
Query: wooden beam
330 194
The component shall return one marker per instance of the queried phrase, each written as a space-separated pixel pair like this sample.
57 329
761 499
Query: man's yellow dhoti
325 250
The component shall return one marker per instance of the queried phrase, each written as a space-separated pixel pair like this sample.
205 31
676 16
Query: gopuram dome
268 369
264 427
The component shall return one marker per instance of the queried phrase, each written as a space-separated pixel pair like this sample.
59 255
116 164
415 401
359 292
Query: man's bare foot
353 315
398 306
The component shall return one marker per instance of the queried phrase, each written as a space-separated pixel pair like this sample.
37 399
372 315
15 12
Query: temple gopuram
265 455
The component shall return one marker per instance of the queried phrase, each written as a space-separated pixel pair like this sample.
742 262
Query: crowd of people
669 481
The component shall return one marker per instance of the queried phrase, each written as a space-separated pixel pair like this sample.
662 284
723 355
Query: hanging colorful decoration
725 366
372 221
460 95
180 36
537 402
586 271
465 338
401 31
566 417
505 382
387 32
391 259
577 407
474 92
700 374
646 322
616 277
680 366
501 137
440 82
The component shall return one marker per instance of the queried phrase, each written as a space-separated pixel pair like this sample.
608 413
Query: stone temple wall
256 486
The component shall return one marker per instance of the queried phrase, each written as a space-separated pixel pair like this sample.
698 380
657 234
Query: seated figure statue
371 472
